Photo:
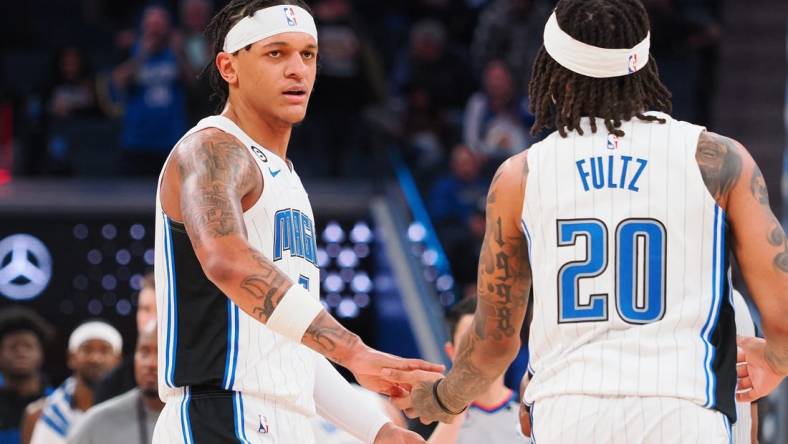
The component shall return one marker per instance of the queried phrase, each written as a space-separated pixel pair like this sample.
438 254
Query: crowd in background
441 81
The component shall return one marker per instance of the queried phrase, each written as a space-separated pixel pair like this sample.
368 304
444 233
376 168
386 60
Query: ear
226 65
448 347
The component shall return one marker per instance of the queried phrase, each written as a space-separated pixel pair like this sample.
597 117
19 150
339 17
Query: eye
275 53
308 54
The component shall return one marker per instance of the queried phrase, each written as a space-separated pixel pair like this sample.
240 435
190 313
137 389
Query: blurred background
416 104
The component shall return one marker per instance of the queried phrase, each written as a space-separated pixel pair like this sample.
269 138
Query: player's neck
496 395
273 136
26 385
83 395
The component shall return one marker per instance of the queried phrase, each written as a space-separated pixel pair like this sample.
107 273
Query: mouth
295 92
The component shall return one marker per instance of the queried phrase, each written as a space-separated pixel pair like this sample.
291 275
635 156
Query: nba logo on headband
632 64
290 16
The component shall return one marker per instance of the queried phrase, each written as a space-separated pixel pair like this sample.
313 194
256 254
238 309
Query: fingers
741 356
403 403
746 396
742 370
418 364
744 385
409 377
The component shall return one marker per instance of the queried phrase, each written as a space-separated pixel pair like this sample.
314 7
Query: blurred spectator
71 90
195 15
121 379
94 349
433 78
150 85
459 17
142 403
685 41
23 336
493 416
70 94
510 30
455 203
433 66
497 120
454 197
350 78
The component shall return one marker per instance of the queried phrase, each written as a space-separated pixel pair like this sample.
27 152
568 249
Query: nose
296 68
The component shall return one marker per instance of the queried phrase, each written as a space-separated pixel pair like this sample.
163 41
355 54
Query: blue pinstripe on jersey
172 308
716 296
186 427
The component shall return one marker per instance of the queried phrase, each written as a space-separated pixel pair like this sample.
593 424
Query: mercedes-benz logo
25 267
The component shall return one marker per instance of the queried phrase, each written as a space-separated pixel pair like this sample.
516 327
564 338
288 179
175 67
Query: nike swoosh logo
274 173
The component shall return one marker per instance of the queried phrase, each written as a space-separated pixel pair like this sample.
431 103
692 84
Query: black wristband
441 404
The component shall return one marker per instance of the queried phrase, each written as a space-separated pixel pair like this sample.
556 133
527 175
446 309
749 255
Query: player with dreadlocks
623 219
241 326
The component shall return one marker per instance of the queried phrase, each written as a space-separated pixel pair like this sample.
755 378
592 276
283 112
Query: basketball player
624 219
241 325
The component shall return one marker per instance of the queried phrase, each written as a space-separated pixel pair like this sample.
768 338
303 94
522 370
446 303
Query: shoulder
710 143
212 149
514 170
119 406
721 161
212 140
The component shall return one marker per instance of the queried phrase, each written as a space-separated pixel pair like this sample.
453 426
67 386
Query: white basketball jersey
205 341
742 430
630 268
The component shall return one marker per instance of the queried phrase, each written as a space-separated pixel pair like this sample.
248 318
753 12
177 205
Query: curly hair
560 98
18 318
221 23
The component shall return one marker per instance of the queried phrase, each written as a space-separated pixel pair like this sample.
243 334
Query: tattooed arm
215 178
759 242
504 280
503 283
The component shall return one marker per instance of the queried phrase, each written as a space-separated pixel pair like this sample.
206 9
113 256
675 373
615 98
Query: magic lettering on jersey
294 231
615 171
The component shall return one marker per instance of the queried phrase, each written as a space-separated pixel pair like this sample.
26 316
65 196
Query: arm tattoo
758 187
720 164
215 172
268 288
325 335
503 283
776 235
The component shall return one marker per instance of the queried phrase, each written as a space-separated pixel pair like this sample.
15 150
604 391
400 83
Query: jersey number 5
640 266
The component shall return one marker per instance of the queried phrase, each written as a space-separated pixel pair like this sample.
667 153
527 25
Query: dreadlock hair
220 25
560 97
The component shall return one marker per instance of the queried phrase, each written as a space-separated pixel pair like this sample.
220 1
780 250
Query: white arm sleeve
345 406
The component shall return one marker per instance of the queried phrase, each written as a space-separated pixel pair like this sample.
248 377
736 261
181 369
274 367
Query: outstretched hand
368 367
420 402
755 376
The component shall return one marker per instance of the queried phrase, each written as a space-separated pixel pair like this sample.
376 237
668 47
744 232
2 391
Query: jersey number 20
639 250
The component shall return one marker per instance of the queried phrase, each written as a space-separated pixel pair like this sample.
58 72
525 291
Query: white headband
95 330
593 61
267 22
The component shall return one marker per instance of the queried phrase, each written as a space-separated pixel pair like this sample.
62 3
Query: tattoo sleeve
776 235
213 172
504 280
216 171
720 164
